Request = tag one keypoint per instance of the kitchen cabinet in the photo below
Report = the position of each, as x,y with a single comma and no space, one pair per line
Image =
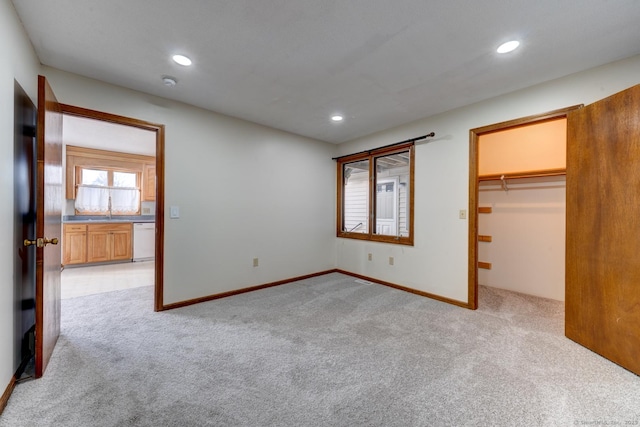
149,183
109,242
74,244
90,243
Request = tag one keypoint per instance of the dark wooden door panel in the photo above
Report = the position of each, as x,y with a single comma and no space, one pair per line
48,218
603,228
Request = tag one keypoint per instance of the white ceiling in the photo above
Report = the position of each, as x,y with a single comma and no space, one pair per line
90,133
291,64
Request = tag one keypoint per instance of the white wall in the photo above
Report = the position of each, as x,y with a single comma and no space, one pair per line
527,225
20,63
438,262
244,191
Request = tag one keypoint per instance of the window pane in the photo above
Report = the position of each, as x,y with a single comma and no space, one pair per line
392,194
95,177
356,197
124,179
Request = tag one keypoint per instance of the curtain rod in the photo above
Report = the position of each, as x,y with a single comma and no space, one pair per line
417,138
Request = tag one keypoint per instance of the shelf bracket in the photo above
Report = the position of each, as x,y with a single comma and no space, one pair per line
505,187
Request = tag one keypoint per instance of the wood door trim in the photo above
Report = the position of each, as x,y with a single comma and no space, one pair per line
186,303
406,289
474,135
158,304
7,394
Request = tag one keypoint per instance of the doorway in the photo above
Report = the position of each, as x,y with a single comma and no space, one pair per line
24,260
137,138
546,180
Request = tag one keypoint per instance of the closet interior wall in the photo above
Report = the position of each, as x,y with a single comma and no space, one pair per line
527,229
521,243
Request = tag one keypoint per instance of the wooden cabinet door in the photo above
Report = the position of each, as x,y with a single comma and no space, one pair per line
75,248
109,242
98,245
149,183
74,244
121,248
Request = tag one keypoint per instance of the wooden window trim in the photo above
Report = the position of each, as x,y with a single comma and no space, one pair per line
371,156
100,159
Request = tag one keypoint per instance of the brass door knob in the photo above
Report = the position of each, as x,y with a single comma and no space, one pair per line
40,242
53,241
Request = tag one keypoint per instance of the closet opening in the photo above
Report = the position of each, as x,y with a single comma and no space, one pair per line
517,205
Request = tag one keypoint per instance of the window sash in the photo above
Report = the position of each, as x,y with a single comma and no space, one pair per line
109,199
374,228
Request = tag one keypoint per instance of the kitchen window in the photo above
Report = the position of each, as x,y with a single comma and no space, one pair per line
375,195
106,191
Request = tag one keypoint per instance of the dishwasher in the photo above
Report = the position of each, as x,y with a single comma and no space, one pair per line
144,238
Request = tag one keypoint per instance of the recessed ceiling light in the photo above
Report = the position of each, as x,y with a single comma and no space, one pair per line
508,46
169,81
182,60
337,118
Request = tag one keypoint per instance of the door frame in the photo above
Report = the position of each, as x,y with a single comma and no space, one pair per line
396,194
158,300
474,136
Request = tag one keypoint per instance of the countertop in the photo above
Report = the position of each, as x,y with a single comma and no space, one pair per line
105,219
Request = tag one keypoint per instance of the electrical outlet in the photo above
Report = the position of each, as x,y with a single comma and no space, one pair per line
370,257
255,262
463,214
390,260
146,211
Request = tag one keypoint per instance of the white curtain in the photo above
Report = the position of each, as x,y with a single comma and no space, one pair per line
92,199
125,200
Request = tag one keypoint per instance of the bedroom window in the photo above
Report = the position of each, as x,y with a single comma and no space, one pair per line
375,195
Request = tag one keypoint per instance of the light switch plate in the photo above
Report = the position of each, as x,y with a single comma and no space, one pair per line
175,212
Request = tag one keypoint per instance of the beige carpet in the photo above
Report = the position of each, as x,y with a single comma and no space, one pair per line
322,352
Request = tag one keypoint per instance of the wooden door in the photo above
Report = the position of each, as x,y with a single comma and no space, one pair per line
387,207
48,224
24,208
603,228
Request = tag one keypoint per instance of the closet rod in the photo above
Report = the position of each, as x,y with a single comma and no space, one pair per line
417,138
525,174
